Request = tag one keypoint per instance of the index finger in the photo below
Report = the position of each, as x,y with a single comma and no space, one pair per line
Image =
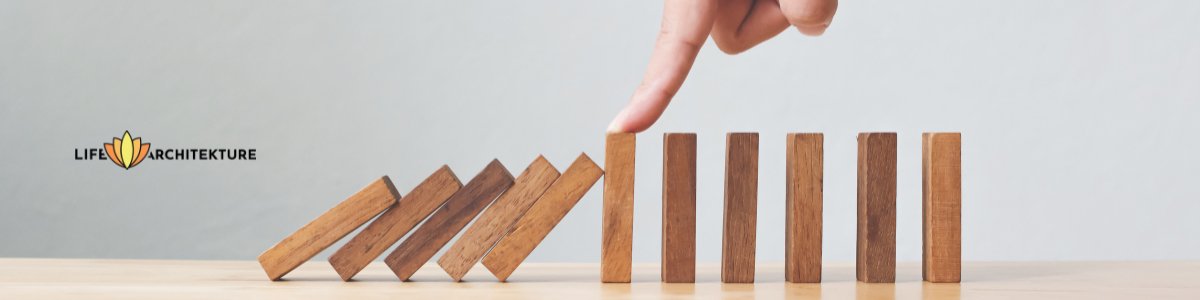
684,29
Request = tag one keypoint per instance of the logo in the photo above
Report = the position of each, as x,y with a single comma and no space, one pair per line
127,152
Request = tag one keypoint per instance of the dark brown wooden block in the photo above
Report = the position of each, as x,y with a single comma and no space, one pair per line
679,208
448,220
741,208
328,228
542,217
616,250
941,177
876,259
498,219
394,223
805,176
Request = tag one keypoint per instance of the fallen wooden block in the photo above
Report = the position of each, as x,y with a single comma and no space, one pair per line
394,223
448,220
328,228
741,208
498,219
941,171
679,208
805,171
616,252
876,257
542,217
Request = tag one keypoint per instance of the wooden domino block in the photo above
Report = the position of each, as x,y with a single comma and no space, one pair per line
394,223
941,171
498,219
876,259
678,208
542,217
328,228
448,220
805,171
741,208
616,252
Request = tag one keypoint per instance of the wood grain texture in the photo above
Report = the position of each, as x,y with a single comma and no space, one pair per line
542,217
805,177
448,220
876,257
498,219
741,208
616,248
394,223
328,228
941,180
679,208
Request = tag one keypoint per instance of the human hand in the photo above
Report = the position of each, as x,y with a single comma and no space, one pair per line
735,26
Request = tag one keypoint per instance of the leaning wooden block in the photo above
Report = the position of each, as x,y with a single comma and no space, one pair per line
941,171
328,228
542,217
679,208
876,259
616,252
448,220
498,219
802,262
741,208
394,223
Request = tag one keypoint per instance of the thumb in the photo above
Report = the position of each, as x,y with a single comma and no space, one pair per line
685,28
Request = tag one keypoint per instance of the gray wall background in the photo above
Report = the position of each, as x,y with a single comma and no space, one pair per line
1079,117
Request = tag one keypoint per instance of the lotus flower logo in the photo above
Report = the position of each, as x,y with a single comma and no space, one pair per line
127,151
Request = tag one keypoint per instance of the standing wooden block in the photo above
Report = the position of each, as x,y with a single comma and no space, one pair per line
542,217
741,207
679,208
394,223
459,210
498,219
941,177
876,259
805,173
328,228
616,250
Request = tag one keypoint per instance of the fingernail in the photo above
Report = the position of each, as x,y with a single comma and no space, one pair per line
613,128
615,125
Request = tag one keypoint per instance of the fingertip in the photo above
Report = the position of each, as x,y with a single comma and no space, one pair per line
635,127
810,17
634,118
622,124
615,126
813,30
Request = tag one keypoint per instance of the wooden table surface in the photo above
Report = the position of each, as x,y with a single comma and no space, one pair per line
170,279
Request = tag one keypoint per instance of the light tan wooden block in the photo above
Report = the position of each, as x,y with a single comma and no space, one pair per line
679,208
616,252
394,223
941,171
876,258
805,173
448,220
542,217
498,219
328,228
741,208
